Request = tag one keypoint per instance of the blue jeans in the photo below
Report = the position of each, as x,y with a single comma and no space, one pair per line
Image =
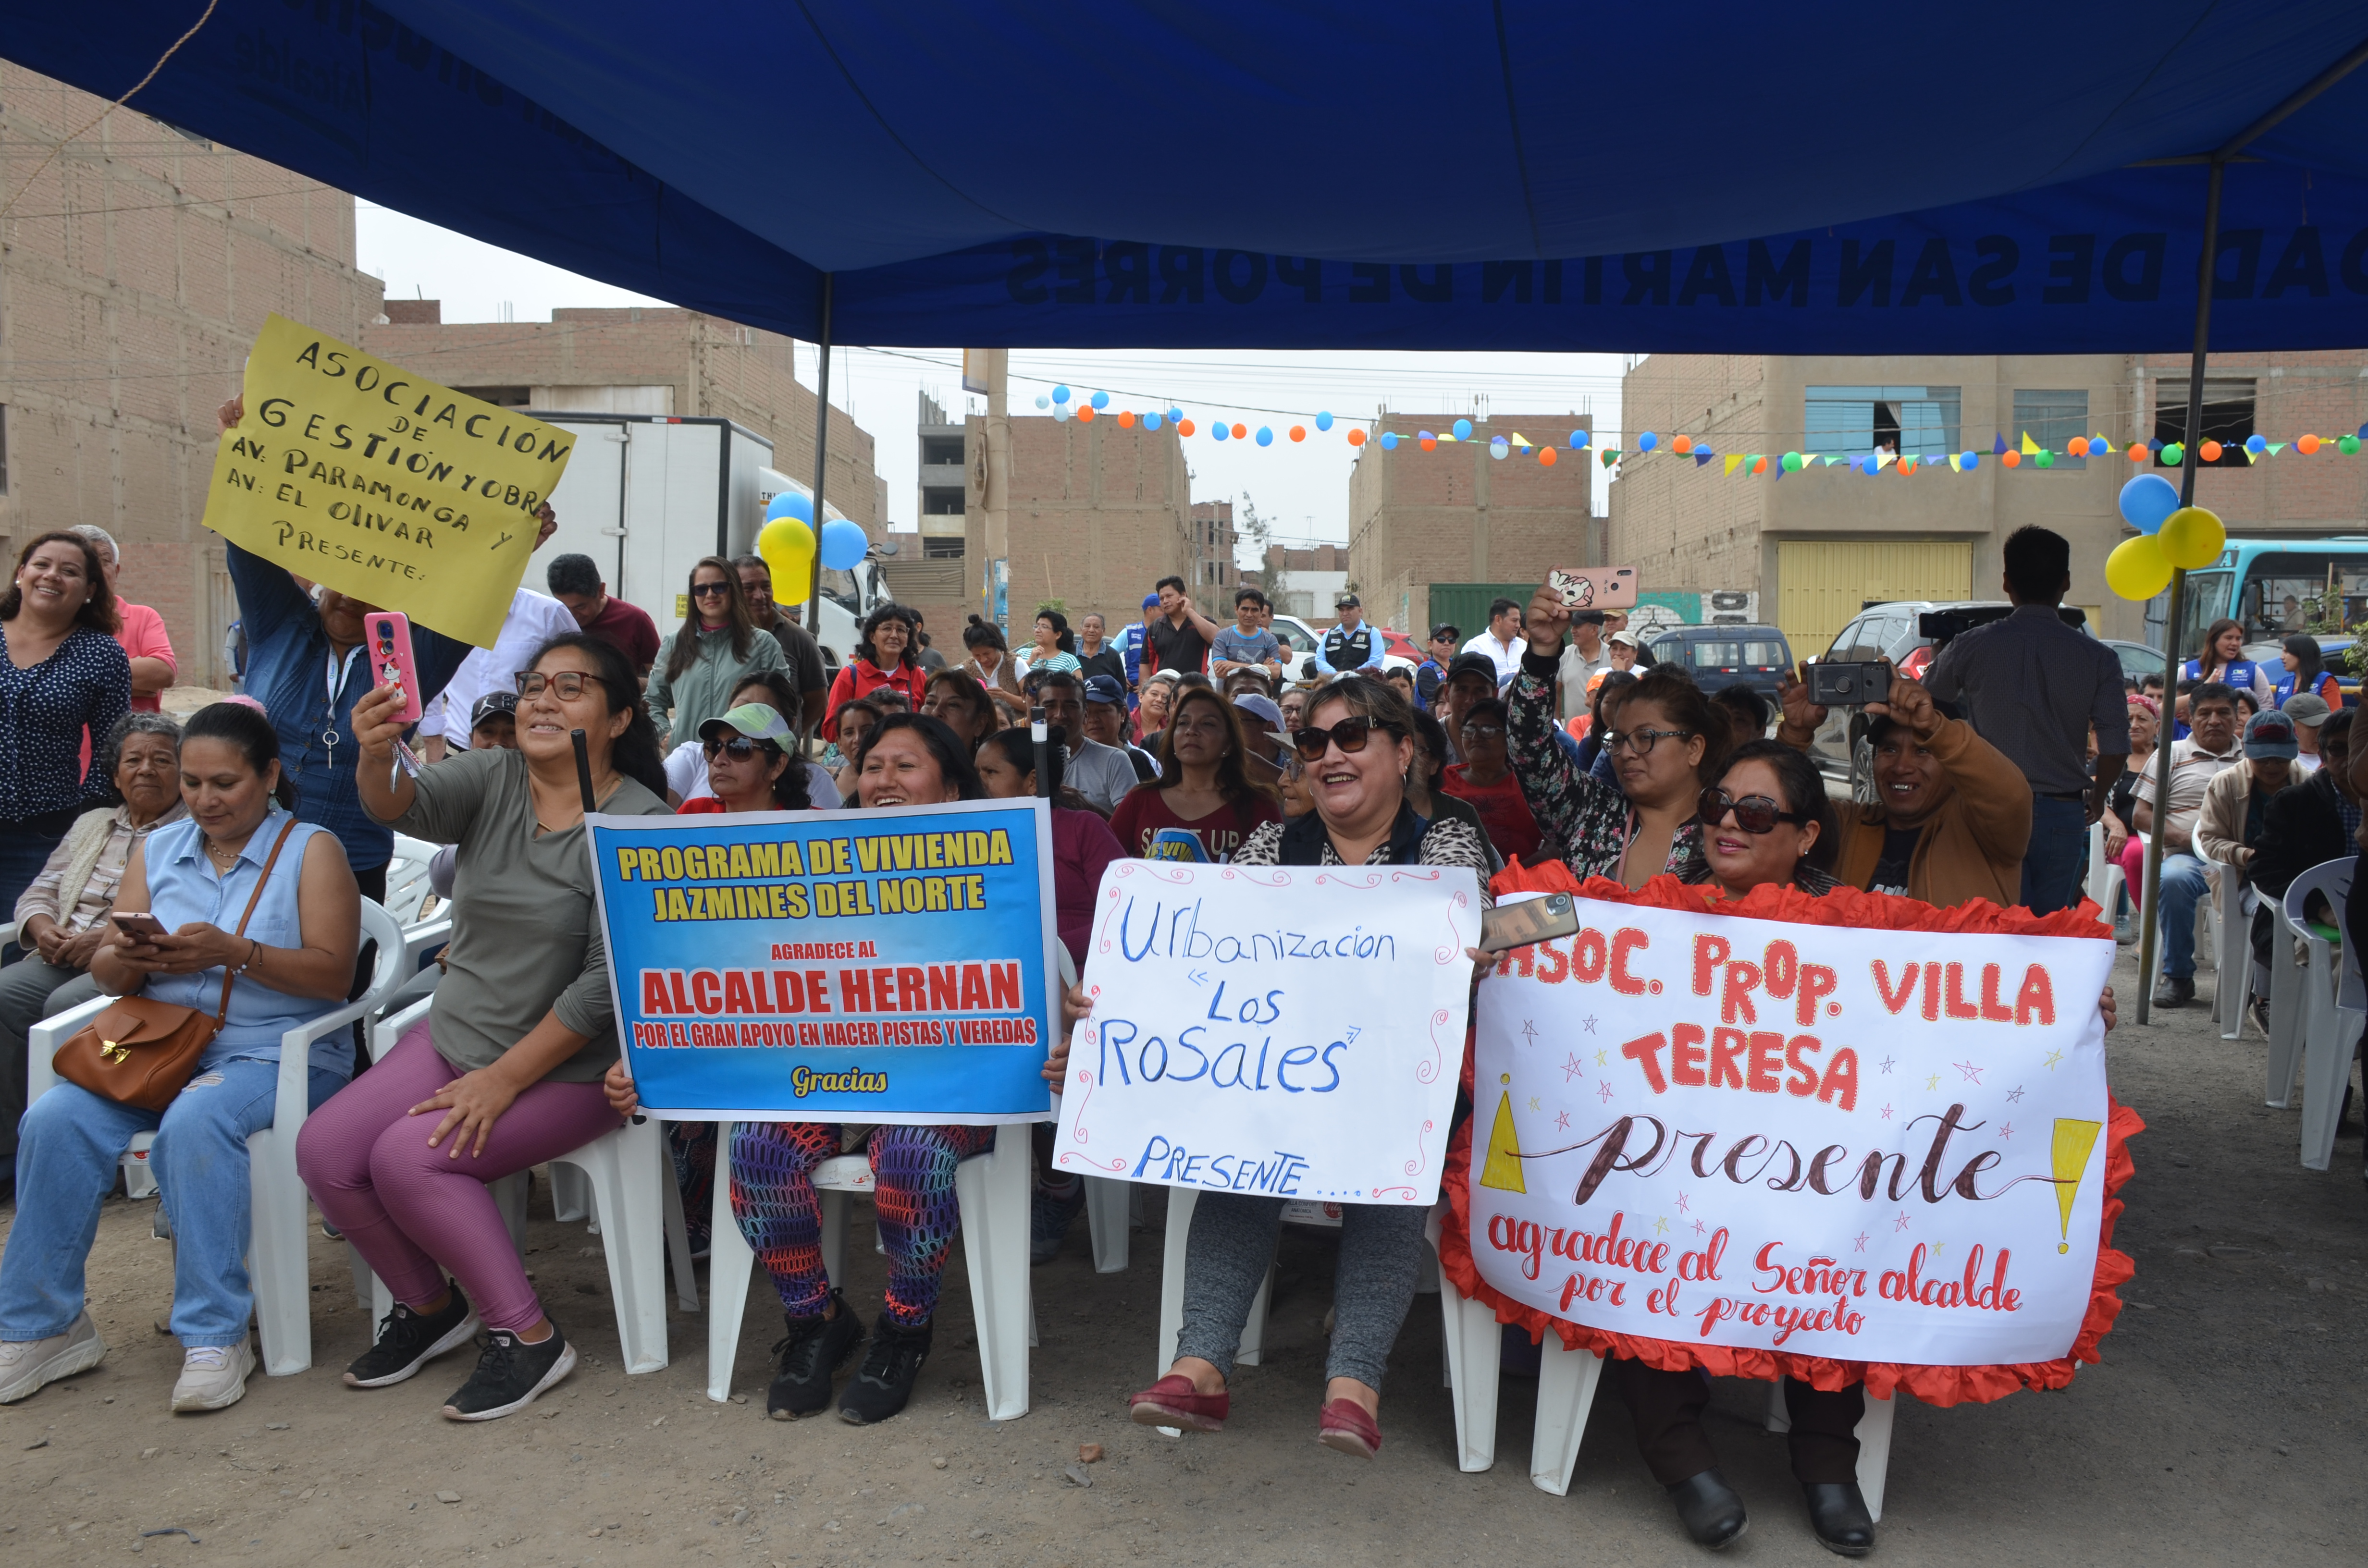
67,1147
2182,888
2058,854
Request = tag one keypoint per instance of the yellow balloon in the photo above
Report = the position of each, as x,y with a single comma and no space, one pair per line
784,534
2136,569
2192,537
793,573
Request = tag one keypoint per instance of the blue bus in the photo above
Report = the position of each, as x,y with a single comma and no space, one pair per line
2274,588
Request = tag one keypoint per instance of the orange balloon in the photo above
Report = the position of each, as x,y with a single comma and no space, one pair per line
2209,451
1546,457
1126,419
2138,452
2305,445
1085,413
1681,445
1356,438
2011,459
1429,442
1298,432
2077,447
1183,427
1759,465
1241,432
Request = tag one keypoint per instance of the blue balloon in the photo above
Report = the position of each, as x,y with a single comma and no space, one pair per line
1648,441
1969,460
1424,436
1101,400
1151,420
1463,429
1578,439
790,504
1043,402
1217,428
1060,394
1265,437
1176,417
2257,444
842,544
2146,500
1324,422
1389,440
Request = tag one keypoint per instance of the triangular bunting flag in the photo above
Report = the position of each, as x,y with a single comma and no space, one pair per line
1952,463
1908,465
1702,455
1502,1170
1998,446
2099,444
2029,447
1521,440
2250,456
1734,459
1885,457
2276,447
1610,456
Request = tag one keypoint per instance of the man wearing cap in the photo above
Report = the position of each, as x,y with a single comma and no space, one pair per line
1106,723
1583,658
2308,710
1429,675
533,619
1101,774
492,722
1351,646
2209,750
1470,677
2234,815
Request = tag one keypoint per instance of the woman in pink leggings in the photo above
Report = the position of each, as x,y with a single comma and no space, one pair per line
505,1071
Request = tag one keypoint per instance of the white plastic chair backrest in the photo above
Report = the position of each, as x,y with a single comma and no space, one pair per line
2096,853
382,927
2329,879
407,885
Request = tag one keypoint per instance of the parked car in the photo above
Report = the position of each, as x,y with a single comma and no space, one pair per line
1301,641
1891,631
1715,655
2138,661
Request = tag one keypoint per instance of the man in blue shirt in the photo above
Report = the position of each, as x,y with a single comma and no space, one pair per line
1247,645
1351,645
1131,645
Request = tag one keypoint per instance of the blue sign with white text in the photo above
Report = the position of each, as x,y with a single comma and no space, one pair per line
890,965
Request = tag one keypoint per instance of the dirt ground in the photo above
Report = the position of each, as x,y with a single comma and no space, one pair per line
2226,1423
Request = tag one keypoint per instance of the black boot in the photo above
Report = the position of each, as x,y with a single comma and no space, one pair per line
814,1349
885,1382
2175,992
1837,1515
1711,1510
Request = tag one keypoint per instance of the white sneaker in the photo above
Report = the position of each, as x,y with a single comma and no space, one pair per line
214,1377
27,1364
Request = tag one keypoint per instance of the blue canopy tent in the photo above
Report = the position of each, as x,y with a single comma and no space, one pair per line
2030,177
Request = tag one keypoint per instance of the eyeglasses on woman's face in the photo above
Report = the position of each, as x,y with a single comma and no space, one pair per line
1642,742
568,685
1350,734
711,590
1753,813
739,748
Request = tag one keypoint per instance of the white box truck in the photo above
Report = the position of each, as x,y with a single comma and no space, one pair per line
646,495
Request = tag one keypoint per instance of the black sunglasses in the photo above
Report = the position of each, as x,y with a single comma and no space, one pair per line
739,748
711,590
1753,813
1350,734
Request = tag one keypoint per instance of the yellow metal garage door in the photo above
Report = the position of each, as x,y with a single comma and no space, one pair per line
1820,584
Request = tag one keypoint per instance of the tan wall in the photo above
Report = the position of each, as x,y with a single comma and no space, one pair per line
1456,514
706,367
2320,395
1098,513
134,273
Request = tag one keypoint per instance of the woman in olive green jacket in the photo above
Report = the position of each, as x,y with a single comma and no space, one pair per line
717,651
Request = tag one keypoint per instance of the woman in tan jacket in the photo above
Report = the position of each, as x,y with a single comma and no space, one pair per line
1952,815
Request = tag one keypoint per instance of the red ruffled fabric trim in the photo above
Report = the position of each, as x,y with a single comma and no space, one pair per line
1933,1385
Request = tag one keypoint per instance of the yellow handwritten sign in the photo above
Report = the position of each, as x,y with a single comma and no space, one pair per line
380,483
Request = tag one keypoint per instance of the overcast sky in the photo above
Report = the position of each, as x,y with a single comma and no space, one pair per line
1302,489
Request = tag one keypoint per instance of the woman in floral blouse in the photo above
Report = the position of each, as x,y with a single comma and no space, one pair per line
1666,741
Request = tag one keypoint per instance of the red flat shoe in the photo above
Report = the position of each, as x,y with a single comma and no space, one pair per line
1345,1425
1173,1402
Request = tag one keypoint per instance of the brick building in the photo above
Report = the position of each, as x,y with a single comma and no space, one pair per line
1214,573
1303,582
1097,513
1454,515
135,271
1810,550
639,359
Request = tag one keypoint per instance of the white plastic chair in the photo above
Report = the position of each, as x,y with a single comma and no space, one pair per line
2332,1008
2231,929
2301,963
1874,1434
1566,1384
426,921
992,1191
629,1182
2103,881
278,1262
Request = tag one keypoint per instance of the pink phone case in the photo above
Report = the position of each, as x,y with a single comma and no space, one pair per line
386,635
1595,588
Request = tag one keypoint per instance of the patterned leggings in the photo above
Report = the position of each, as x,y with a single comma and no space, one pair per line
773,1199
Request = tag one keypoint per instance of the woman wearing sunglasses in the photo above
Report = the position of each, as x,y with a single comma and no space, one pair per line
748,764
716,650
504,1073
1357,746
685,765
1203,786
887,659
1665,740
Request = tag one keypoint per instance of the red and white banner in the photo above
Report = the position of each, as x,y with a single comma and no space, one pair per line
1853,1136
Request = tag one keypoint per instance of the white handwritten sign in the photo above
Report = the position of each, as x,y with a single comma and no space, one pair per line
1862,1145
1293,1032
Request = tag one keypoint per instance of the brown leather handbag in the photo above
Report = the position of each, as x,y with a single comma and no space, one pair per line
142,1052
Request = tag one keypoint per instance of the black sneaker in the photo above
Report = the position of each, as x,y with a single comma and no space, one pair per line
883,1385
510,1374
406,1342
815,1349
2174,992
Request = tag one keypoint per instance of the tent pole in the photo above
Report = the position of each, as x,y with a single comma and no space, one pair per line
821,464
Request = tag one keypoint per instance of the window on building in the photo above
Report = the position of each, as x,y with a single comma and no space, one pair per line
2228,407
942,547
936,449
2051,419
941,501
1916,422
500,397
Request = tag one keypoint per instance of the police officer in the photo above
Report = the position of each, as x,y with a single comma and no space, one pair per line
1352,644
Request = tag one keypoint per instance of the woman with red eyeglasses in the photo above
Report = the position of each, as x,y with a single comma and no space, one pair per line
1356,746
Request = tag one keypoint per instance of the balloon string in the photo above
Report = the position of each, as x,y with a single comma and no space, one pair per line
111,109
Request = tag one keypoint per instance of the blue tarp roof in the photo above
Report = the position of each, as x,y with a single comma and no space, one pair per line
1723,176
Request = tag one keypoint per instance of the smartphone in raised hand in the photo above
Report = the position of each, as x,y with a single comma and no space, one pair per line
1509,926
387,635
1594,587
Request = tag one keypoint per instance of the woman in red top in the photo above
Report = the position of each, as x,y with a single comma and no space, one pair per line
748,766
1485,778
1203,786
888,658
